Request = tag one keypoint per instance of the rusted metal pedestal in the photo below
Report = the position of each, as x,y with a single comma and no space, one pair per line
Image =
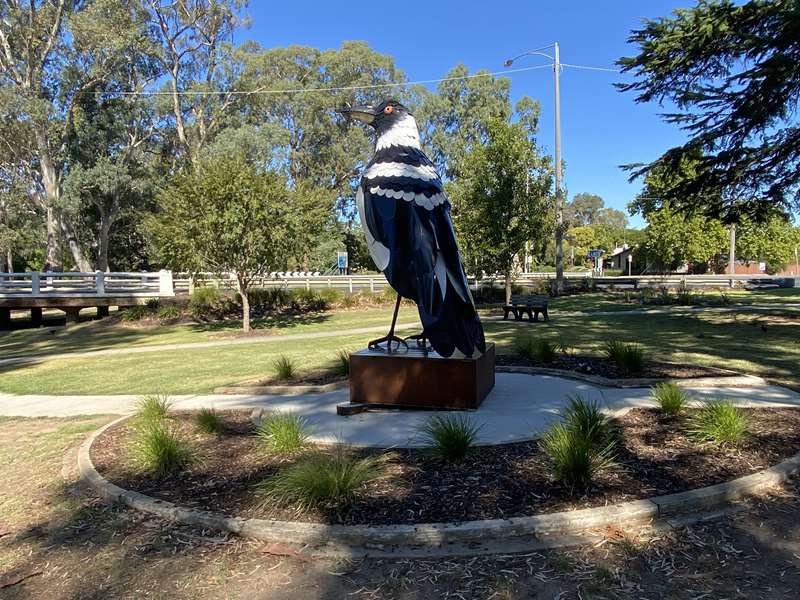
413,380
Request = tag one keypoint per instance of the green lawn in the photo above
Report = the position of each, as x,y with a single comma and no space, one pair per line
733,340
94,335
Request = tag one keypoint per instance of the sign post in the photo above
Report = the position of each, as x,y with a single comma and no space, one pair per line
341,262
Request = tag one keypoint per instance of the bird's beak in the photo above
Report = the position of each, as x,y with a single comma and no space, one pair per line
365,114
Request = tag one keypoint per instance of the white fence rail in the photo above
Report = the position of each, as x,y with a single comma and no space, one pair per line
375,283
73,284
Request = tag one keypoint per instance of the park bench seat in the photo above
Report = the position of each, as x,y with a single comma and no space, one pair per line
522,304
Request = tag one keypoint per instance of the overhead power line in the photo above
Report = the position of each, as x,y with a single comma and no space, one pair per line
346,88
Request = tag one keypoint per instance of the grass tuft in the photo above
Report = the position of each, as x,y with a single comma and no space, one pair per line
152,409
159,449
342,366
284,368
321,481
538,349
581,446
450,436
670,398
629,357
283,433
208,421
720,422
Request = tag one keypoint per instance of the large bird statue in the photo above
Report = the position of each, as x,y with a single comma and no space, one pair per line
405,216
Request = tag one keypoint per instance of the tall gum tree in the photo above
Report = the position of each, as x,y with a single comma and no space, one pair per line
53,52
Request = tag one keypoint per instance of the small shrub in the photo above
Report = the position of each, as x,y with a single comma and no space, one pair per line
718,421
585,417
450,436
204,302
262,299
284,368
283,433
135,313
321,481
331,296
308,300
169,313
684,298
152,409
153,304
629,357
208,421
670,398
159,449
545,350
342,367
576,460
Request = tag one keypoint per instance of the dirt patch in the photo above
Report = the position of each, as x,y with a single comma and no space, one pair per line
654,457
595,365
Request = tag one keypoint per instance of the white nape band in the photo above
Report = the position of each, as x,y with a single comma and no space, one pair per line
419,199
399,169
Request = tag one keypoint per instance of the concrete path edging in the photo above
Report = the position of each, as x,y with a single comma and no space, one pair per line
448,539
724,378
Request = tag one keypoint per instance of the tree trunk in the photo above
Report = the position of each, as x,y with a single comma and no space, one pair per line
84,265
106,221
508,287
242,289
52,257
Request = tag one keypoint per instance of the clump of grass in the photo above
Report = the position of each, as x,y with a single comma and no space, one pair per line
159,449
342,366
538,349
169,313
581,446
284,368
283,433
135,313
629,357
152,409
322,480
585,417
670,398
720,422
450,436
208,421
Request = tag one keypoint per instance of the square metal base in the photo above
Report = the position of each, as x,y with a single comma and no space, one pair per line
413,380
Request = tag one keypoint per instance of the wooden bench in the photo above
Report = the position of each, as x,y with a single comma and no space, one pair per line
531,305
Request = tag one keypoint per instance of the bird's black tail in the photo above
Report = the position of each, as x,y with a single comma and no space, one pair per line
453,326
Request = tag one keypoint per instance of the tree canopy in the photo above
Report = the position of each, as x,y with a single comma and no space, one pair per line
502,200
732,70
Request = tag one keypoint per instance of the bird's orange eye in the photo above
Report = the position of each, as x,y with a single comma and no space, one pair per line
389,109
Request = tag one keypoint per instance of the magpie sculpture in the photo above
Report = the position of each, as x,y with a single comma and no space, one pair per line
405,216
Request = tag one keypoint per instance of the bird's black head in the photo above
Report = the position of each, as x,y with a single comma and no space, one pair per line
381,117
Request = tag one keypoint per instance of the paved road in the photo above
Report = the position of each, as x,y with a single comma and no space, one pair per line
271,339
518,407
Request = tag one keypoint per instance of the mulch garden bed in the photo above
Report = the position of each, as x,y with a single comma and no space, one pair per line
596,365
654,457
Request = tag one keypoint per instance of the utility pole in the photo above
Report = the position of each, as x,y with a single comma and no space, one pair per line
732,255
559,202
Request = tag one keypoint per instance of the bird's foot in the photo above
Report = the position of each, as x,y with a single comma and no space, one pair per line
421,342
384,344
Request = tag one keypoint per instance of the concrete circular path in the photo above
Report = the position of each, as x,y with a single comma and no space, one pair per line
519,407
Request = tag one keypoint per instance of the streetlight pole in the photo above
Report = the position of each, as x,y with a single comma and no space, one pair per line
559,233
559,202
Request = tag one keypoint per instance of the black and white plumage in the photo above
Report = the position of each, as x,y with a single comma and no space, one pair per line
405,215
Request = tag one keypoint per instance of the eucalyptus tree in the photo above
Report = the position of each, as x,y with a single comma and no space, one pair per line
191,41
52,54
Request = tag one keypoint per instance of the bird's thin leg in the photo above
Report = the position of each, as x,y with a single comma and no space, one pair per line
391,337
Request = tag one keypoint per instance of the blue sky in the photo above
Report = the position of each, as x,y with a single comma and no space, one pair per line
601,128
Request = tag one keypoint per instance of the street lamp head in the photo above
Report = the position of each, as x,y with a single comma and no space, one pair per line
509,62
